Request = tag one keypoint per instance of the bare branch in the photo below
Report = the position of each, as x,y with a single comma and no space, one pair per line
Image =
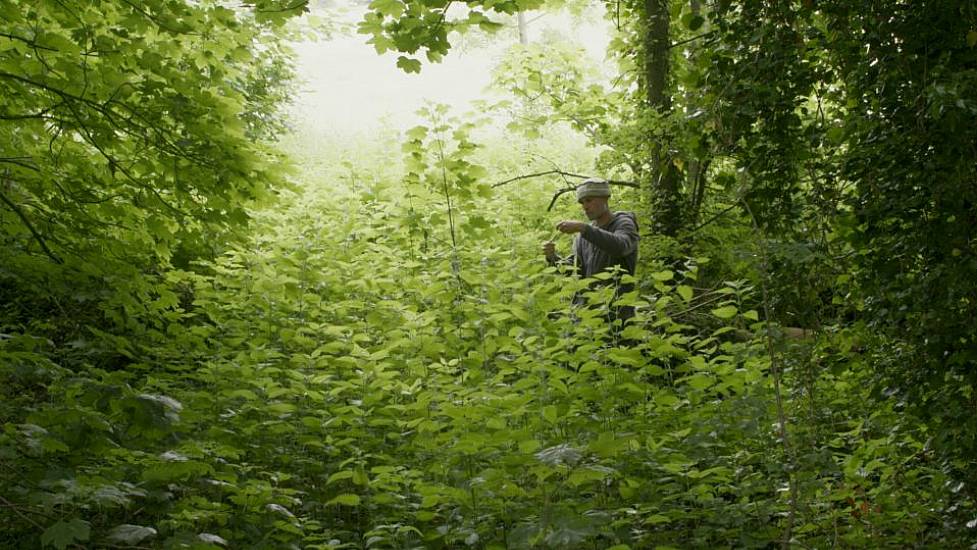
687,40
561,192
536,175
557,195
714,218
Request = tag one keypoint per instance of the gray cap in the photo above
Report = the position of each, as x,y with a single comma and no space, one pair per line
593,187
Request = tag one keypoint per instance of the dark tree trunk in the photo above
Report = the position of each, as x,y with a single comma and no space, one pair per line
664,193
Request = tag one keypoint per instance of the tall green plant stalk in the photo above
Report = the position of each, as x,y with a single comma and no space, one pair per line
455,264
776,373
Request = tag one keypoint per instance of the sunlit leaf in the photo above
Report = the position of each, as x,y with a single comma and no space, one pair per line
725,312
345,499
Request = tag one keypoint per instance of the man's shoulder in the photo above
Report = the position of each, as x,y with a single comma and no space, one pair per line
623,219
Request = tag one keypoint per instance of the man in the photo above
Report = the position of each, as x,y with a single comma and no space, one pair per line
610,239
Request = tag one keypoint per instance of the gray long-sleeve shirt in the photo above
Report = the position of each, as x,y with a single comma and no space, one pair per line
598,248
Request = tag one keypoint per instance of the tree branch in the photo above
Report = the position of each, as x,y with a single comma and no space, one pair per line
28,41
561,192
557,195
714,218
39,114
295,6
23,162
536,175
108,113
94,143
13,507
687,40
27,222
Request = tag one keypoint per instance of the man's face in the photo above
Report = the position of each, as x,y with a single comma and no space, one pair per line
594,207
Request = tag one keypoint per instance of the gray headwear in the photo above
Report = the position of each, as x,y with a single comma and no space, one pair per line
593,187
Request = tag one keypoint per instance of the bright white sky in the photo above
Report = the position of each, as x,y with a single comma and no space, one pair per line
349,89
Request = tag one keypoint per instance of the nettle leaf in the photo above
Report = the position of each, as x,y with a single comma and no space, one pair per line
339,476
279,509
630,357
559,454
663,276
130,534
725,312
700,381
170,407
345,499
550,414
176,471
63,533
211,538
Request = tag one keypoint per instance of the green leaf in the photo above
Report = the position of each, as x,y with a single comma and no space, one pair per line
346,499
685,292
130,534
211,538
972,38
630,357
666,275
341,475
390,8
246,394
700,381
725,312
752,315
409,65
62,533
656,519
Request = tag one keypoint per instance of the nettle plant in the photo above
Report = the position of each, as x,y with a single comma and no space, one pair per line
342,381
337,382
449,396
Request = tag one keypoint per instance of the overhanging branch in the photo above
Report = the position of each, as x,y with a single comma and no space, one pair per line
27,223
687,40
562,192
538,174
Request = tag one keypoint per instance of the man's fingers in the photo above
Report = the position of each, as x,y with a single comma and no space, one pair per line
568,227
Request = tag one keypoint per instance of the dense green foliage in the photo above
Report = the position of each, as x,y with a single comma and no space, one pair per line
197,353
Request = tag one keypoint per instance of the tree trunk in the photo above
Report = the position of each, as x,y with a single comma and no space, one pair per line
664,193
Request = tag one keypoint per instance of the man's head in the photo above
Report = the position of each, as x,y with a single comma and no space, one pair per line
592,195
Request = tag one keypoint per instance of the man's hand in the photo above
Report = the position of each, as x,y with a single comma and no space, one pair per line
570,226
549,250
